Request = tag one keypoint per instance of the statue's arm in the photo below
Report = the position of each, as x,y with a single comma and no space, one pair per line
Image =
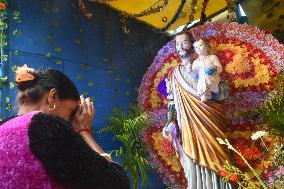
217,64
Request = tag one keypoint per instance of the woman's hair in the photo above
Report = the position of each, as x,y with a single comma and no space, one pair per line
44,80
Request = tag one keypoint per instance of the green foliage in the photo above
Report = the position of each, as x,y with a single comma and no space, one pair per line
14,68
3,81
11,85
8,105
271,113
245,180
17,33
126,128
17,16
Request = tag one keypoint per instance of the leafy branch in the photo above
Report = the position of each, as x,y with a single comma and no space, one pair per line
126,128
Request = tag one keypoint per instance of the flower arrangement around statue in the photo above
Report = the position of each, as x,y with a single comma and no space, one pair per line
251,60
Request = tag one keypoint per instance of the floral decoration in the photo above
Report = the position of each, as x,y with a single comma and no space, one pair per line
251,59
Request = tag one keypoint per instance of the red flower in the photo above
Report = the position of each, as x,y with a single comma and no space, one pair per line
2,7
233,177
223,173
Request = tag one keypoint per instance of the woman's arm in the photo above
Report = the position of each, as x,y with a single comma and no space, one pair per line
68,159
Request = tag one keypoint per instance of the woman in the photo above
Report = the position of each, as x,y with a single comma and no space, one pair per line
49,144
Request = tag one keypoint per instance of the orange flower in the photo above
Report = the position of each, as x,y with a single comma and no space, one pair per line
223,173
234,177
2,7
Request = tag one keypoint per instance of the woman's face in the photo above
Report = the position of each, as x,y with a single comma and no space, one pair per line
66,109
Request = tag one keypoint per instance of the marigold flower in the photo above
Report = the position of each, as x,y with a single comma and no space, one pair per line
233,177
223,173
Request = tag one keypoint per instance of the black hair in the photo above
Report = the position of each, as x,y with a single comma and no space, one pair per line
45,80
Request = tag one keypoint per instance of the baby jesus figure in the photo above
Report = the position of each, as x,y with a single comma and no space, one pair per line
209,69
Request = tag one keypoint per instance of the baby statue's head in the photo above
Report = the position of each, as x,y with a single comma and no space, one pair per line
201,47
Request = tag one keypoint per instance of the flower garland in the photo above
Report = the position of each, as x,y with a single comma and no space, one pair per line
192,11
203,14
250,58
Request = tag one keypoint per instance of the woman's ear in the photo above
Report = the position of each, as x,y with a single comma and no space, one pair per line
52,97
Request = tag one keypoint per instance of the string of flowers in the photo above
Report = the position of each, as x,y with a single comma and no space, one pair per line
191,13
231,5
203,14
155,8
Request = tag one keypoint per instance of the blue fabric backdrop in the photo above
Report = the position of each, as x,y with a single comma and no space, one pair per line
103,61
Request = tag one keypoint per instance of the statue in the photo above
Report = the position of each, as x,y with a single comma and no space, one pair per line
194,125
209,69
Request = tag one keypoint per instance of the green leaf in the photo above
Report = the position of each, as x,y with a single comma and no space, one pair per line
55,24
77,41
16,14
3,36
3,80
17,53
3,44
128,81
127,93
85,94
12,85
80,77
3,25
14,68
91,83
55,10
50,38
4,58
48,55
17,33
58,62
126,128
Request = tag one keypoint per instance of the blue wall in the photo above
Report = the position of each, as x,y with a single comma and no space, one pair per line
97,55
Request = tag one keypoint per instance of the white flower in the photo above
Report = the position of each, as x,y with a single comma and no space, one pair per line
258,134
221,141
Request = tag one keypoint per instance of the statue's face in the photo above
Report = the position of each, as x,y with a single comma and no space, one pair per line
200,47
183,45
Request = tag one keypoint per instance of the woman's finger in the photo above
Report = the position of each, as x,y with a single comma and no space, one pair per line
83,104
89,106
92,109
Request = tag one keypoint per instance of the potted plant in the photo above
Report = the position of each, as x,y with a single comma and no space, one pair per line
126,128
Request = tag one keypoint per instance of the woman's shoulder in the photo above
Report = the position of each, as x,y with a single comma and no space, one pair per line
16,121
7,119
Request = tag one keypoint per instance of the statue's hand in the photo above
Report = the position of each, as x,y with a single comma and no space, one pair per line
170,130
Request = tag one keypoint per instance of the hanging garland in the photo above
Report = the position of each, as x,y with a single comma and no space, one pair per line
174,18
151,10
191,13
231,5
203,14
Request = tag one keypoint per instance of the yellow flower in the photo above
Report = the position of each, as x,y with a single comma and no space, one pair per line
170,160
